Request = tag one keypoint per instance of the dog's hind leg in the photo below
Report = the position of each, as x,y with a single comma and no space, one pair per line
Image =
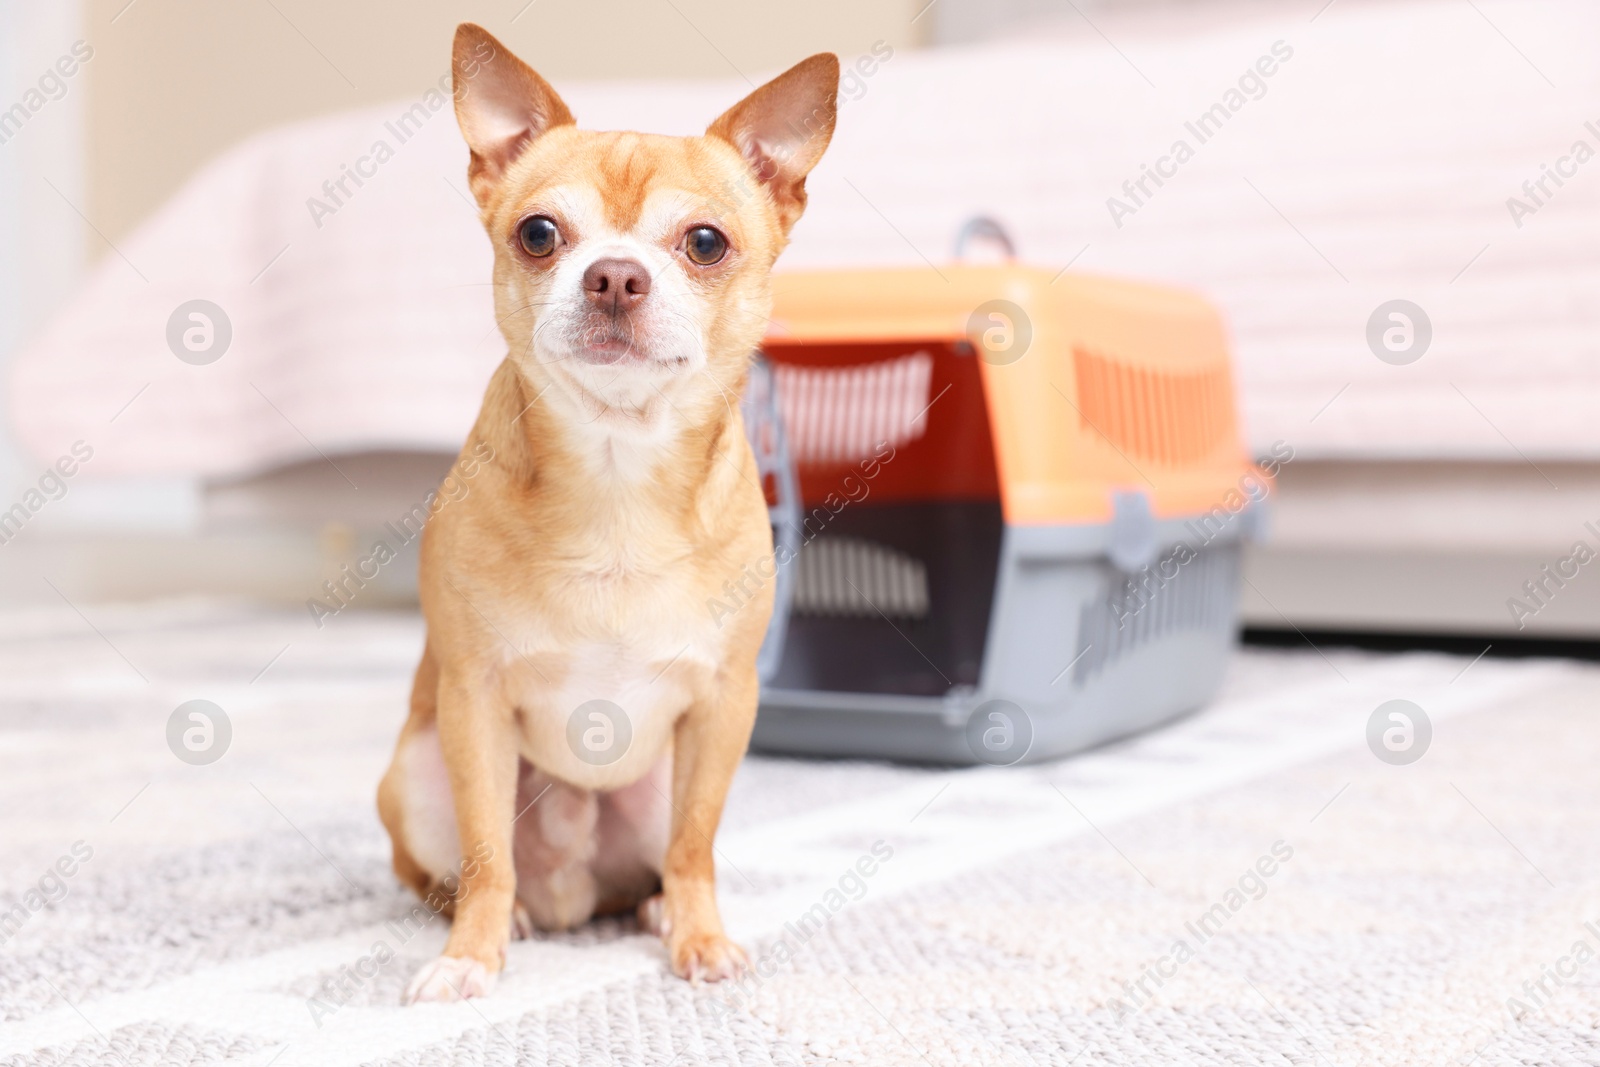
634,825
414,797
554,838
580,853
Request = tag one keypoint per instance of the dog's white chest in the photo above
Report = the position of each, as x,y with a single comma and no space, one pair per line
599,712
630,674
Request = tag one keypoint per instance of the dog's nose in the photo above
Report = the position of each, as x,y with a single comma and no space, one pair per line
616,284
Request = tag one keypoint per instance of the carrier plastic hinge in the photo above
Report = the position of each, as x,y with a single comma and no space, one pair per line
1134,543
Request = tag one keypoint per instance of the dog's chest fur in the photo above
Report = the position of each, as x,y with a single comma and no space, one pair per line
633,638
612,608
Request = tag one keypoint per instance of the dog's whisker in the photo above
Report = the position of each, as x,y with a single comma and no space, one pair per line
727,398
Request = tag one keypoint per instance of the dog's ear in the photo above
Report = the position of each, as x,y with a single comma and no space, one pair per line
501,105
783,127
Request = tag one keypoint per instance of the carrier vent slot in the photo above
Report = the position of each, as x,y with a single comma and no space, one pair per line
1155,415
841,415
1149,605
846,576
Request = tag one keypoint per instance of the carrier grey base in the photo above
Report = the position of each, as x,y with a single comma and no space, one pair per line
1080,651
1154,685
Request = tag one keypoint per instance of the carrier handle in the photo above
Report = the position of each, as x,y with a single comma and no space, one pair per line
986,227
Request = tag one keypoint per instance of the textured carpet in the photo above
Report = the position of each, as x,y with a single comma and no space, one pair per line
1251,885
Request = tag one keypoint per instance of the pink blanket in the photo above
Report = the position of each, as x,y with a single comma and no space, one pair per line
1329,167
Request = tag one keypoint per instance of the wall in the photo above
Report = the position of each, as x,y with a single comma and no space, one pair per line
177,81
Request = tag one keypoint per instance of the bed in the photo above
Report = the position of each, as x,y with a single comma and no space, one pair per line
1329,167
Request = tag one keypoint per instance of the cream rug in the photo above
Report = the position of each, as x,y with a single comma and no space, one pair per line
1252,885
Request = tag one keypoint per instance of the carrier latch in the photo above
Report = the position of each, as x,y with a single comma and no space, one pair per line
1134,541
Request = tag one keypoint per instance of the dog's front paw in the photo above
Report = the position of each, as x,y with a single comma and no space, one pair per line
447,979
708,957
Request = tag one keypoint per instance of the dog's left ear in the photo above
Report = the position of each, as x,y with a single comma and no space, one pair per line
501,105
783,127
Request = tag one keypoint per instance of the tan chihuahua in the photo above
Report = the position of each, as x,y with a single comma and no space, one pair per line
578,713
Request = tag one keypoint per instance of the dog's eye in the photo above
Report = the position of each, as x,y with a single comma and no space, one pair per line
704,245
538,236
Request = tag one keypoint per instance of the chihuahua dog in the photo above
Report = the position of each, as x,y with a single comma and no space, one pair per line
578,712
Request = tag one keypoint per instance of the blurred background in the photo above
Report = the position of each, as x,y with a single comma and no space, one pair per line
159,152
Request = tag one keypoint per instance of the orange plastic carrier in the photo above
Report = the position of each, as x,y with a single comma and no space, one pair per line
1018,502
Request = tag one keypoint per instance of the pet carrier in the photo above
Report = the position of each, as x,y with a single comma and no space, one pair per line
1008,511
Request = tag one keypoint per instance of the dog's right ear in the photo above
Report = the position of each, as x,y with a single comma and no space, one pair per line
501,105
